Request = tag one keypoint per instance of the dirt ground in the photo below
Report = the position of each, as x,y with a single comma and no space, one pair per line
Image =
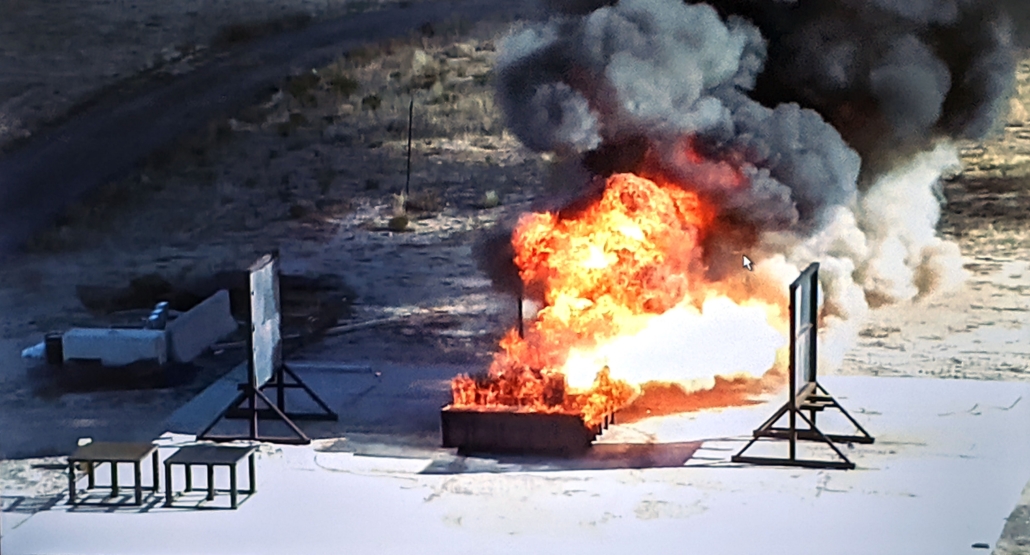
57,56
315,171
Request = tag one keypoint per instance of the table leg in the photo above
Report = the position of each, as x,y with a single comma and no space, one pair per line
210,482
114,478
137,474
168,485
92,475
71,483
250,474
189,477
232,485
156,472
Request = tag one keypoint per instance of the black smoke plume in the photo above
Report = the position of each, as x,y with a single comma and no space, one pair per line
839,114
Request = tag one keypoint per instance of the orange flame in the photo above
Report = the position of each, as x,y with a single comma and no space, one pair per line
599,273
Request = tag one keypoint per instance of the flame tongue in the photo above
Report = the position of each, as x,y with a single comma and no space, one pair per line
627,254
601,270
601,273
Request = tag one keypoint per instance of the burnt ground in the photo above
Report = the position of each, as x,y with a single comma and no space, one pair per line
314,169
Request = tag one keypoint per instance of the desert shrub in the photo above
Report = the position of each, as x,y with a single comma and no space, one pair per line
300,87
364,55
426,200
483,79
344,85
371,102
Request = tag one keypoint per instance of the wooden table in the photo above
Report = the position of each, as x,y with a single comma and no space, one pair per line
210,456
99,452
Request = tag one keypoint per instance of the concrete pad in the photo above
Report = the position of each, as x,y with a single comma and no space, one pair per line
948,466
200,327
115,347
388,401
195,415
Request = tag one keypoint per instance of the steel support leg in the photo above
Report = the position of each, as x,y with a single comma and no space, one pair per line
137,474
210,482
71,483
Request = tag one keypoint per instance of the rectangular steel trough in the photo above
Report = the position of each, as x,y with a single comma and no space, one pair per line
497,431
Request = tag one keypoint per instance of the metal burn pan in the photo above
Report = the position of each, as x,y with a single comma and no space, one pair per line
509,432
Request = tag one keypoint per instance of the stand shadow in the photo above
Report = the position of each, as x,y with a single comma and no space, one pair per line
50,382
90,501
602,456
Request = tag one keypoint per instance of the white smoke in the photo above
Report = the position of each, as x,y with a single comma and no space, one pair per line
881,248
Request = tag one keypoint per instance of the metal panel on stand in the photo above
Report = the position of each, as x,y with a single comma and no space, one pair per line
804,391
266,369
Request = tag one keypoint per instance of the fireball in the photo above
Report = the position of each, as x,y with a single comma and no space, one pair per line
624,304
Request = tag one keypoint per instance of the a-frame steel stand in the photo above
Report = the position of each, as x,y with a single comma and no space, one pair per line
266,368
795,408
246,406
812,398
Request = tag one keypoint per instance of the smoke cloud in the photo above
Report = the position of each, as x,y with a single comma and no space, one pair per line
819,128
878,250
892,76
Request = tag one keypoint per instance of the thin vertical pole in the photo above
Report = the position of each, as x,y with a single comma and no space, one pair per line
280,388
792,371
252,404
813,333
522,331
813,301
252,370
411,117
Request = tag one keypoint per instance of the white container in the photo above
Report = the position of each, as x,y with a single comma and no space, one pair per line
115,347
200,327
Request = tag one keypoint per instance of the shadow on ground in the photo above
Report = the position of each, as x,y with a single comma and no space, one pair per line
602,456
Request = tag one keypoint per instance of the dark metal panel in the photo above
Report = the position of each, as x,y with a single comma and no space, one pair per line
489,431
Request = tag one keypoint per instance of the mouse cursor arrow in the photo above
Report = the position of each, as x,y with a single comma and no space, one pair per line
748,265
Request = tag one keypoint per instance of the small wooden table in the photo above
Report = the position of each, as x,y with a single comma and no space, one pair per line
100,452
210,456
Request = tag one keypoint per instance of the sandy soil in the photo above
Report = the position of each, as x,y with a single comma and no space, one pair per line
55,56
314,171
